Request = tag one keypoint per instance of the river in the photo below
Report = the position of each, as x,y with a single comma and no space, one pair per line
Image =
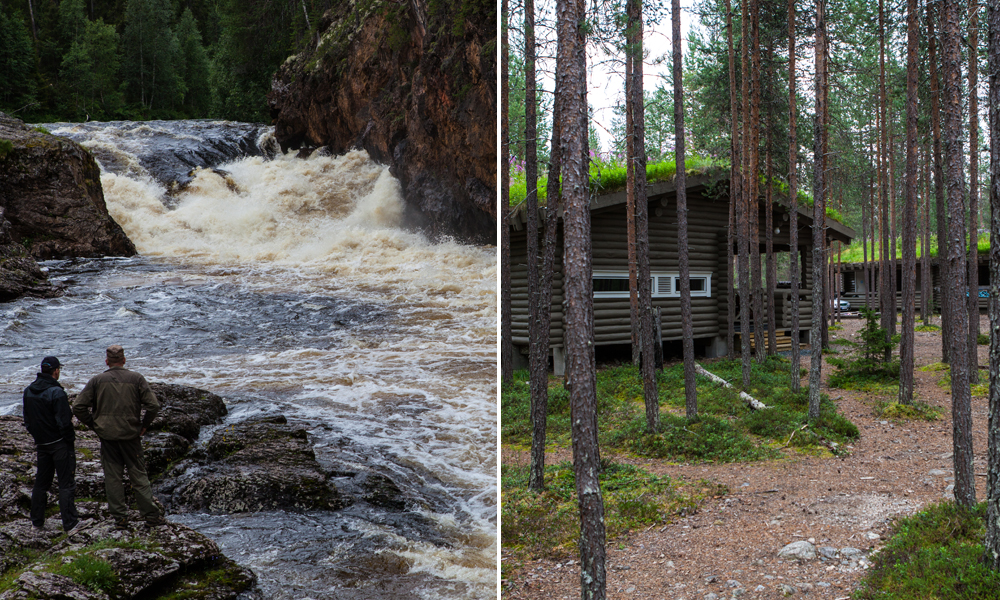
291,285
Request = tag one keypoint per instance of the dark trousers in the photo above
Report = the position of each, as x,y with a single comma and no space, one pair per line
116,456
58,458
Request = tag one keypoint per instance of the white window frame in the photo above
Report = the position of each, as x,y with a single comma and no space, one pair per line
663,279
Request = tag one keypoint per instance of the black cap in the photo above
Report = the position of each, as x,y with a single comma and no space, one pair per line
50,364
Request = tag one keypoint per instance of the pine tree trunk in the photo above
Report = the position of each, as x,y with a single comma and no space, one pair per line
885,305
939,195
819,212
690,391
734,192
754,184
580,367
992,554
648,366
772,279
743,205
909,211
974,190
793,218
538,355
926,290
957,283
506,333
633,262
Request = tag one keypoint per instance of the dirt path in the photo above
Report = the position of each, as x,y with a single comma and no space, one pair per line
730,547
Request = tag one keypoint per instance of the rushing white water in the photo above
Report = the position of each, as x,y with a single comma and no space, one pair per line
280,257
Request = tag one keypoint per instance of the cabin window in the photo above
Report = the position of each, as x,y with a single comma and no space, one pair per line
663,285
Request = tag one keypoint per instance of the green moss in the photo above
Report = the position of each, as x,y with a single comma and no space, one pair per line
6,147
918,411
933,555
196,585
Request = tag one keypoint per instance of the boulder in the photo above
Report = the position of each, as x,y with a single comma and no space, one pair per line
184,410
416,91
51,196
261,464
139,562
801,550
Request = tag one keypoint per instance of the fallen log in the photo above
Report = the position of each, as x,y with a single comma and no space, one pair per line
750,400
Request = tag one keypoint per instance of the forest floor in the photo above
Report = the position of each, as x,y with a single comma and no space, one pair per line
731,543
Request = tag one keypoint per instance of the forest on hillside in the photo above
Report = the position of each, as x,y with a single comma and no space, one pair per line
99,60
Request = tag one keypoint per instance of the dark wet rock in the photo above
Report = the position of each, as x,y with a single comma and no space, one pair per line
145,562
185,410
161,449
51,197
416,92
381,491
169,151
256,465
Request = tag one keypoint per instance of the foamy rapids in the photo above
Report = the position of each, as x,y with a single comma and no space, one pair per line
332,226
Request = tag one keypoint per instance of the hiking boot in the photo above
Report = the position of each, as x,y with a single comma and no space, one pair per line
121,524
156,522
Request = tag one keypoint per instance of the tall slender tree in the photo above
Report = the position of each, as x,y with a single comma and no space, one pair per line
925,254
939,179
571,75
819,213
506,316
992,554
690,391
909,211
734,193
885,266
973,300
793,180
641,217
957,283
753,187
743,203
538,356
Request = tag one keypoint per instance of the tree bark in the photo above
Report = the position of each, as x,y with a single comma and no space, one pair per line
648,366
538,355
992,554
743,205
909,211
579,318
633,263
926,289
690,391
885,304
974,190
819,212
772,279
754,183
957,283
734,193
793,218
506,332
939,195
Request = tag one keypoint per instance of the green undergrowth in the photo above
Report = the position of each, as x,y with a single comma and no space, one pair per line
91,572
927,329
725,430
933,555
983,339
918,411
547,524
866,369
981,380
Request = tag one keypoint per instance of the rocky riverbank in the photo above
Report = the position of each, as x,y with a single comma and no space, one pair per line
260,464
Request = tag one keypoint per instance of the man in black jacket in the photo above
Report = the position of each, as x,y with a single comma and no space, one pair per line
49,420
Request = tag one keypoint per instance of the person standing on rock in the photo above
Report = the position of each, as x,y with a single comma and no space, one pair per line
48,418
111,404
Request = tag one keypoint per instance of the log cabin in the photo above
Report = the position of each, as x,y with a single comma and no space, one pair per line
708,216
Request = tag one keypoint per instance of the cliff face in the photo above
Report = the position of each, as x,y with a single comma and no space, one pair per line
414,84
51,196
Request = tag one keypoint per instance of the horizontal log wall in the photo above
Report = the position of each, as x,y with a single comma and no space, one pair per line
707,218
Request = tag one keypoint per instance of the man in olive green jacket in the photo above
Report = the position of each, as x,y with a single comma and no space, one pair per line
111,404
